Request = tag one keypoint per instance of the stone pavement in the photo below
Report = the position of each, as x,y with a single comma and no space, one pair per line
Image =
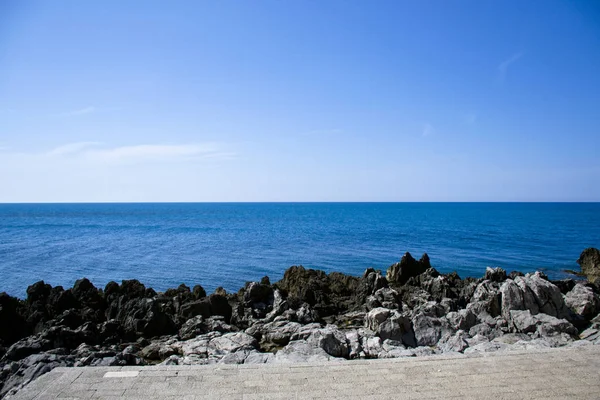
572,373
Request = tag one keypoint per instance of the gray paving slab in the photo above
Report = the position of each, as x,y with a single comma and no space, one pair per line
572,373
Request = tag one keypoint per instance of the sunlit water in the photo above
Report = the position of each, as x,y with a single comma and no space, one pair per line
227,244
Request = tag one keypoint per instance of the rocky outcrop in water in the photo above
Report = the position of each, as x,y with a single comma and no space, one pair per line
307,316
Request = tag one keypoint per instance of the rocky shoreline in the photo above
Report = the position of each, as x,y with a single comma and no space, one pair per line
307,316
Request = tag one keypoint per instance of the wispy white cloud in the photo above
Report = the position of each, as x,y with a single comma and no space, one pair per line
156,152
71,148
427,129
504,65
97,152
80,111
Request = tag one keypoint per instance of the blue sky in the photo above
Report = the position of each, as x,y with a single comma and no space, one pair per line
299,101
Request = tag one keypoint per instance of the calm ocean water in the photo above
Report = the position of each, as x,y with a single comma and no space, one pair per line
226,244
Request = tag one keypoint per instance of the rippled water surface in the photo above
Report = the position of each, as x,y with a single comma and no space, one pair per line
226,244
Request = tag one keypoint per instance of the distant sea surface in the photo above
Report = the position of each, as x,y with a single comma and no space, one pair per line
227,244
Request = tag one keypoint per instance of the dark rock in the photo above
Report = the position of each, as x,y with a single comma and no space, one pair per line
111,331
194,308
255,292
265,281
589,261
13,325
143,317
565,285
26,347
199,292
407,268
514,274
326,294
111,289
61,300
38,292
132,289
219,305
495,274
69,339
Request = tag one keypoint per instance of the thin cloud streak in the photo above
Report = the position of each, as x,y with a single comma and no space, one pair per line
150,151
71,148
81,111
97,153
504,65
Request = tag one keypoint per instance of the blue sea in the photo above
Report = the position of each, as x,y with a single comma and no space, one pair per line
227,244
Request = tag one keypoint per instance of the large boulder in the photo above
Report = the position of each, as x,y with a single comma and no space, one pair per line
231,343
429,330
407,268
462,319
329,338
583,301
534,293
301,351
589,261
390,324
274,334
543,324
454,343
485,300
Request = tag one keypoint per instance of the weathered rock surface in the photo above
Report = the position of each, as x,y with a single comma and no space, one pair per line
407,268
535,293
582,301
589,261
307,316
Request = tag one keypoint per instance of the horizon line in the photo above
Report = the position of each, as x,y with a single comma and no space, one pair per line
306,202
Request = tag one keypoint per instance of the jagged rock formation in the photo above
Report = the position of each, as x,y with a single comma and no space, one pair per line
307,316
589,261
